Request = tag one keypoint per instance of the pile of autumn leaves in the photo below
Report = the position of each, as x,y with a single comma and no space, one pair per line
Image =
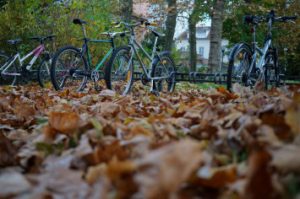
191,144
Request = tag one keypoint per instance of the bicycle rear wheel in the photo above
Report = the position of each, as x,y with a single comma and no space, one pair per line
69,69
163,66
239,66
8,77
118,73
271,70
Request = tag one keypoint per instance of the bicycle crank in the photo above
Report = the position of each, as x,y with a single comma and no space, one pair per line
144,79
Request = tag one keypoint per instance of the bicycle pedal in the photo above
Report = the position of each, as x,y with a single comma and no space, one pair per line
97,88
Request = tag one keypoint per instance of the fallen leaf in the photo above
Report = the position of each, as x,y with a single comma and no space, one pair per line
8,152
216,177
259,176
12,183
162,171
64,122
286,158
292,116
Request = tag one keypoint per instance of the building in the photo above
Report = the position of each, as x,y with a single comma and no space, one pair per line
141,8
203,45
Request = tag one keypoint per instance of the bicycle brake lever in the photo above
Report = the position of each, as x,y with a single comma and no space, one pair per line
291,21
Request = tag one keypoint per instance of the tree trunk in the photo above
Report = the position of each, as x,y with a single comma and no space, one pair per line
193,44
126,9
170,24
216,36
193,20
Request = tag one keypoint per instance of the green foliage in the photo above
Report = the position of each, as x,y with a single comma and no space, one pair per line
285,35
23,19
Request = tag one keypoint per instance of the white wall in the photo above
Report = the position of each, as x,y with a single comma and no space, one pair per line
205,43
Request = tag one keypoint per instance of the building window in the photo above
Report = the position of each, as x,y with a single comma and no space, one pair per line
201,51
201,34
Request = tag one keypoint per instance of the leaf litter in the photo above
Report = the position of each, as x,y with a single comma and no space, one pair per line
190,144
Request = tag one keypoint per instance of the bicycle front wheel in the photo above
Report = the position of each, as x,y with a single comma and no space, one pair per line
69,69
118,73
164,68
43,74
239,66
9,76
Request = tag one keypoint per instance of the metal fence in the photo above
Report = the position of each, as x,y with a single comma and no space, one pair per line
217,78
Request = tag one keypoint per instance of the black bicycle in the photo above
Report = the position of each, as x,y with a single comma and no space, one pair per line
244,65
73,66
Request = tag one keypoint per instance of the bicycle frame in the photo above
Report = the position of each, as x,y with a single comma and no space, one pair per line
100,63
35,53
261,51
134,51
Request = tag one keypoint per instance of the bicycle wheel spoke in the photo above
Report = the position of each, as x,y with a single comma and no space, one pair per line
70,69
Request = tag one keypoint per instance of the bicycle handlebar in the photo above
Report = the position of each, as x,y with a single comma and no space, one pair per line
140,22
287,18
252,19
114,34
43,39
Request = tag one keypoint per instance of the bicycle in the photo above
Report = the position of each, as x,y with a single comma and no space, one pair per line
243,67
75,64
10,71
118,73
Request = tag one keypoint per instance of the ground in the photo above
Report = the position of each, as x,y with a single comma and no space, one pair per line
195,143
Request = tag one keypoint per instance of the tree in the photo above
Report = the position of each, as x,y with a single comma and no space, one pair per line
216,35
2,3
285,35
126,9
194,17
170,24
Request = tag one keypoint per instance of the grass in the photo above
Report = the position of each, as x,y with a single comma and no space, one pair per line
198,86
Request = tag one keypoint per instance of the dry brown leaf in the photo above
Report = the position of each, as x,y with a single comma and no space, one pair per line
64,122
226,93
95,172
7,152
286,158
105,153
161,172
107,93
292,116
66,183
12,183
116,168
259,177
216,177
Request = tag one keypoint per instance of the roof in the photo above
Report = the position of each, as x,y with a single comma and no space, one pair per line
184,35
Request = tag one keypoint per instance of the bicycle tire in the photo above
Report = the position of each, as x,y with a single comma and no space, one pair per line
122,82
272,69
164,85
246,61
43,74
55,66
7,79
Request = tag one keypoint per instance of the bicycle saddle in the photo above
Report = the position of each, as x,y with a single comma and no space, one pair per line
14,41
79,21
157,34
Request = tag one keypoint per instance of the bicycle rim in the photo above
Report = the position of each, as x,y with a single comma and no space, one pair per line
121,72
69,67
165,68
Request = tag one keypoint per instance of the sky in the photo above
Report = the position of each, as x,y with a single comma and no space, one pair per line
182,24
